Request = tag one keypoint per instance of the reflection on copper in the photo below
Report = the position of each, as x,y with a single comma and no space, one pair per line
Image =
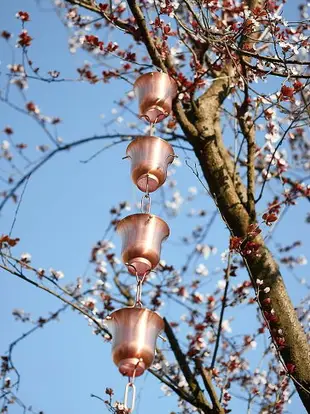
142,235
150,157
155,92
134,332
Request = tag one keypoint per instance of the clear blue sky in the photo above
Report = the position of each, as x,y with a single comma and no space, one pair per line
65,210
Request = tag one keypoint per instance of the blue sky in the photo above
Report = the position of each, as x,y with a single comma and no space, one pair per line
65,210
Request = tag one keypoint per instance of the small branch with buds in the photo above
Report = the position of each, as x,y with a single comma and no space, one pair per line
199,398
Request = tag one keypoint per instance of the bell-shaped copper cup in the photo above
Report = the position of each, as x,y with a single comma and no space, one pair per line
134,332
150,157
142,235
155,92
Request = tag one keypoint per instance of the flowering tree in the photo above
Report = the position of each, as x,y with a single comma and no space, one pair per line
241,113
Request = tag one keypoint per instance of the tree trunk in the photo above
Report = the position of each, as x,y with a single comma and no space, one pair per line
296,350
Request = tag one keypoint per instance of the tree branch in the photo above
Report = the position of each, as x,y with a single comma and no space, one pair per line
50,155
53,293
94,7
275,73
182,394
223,306
147,39
189,376
269,58
272,158
206,377
248,130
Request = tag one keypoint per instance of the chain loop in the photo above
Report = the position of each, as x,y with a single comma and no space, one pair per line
129,386
138,302
152,127
146,203
140,280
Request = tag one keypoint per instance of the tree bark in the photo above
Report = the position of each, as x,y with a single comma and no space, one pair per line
296,350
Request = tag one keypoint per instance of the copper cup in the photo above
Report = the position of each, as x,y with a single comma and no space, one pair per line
134,332
142,235
155,92
150,157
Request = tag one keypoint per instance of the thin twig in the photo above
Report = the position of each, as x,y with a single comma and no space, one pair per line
219,329
18,206
272,158
53,293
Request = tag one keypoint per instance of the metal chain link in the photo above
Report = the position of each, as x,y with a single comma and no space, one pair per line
152,127
131,385
140,280
146,201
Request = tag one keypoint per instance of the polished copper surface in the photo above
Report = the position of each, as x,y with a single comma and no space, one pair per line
155,92
150,157
142,235
134,332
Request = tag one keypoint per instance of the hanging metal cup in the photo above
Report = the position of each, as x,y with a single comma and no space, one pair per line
142,235
134,332
155,92
150,157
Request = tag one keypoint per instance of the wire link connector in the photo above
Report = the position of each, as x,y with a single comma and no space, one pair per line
140,280
146,201
130,387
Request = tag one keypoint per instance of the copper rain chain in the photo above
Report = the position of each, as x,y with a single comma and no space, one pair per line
135,329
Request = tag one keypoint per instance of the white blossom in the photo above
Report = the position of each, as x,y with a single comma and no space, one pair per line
224,255
226,326
302,260
202,270
25,257
166,390
221,284
57,274
177,162
192,190
5,145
